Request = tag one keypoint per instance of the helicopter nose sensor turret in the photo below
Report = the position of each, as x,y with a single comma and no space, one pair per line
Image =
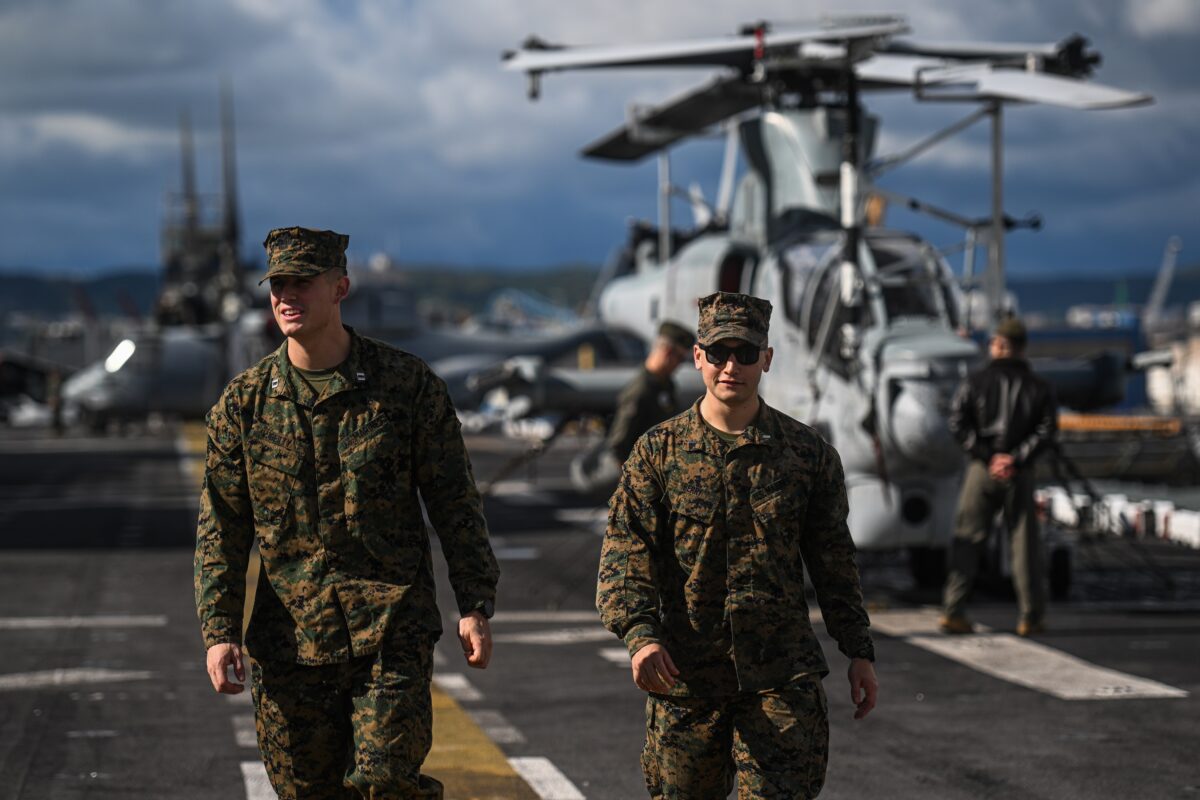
920,370
918,427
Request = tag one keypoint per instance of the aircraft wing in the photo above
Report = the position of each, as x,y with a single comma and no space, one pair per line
732,51
682,116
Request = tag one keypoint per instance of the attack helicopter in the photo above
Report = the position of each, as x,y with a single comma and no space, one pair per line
869,324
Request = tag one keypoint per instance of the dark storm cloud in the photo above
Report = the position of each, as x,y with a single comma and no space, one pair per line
395,123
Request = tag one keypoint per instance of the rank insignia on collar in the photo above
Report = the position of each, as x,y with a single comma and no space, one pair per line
360,377
274,383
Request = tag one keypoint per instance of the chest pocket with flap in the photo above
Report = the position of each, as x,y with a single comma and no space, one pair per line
379,510
779,516
273,470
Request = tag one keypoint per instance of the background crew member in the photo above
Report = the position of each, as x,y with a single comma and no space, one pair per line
1004,416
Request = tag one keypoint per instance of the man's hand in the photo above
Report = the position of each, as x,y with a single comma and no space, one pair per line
1002,467
220,658
653,669
864,686
475,636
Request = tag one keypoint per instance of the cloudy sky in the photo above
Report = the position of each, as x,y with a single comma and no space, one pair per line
392,121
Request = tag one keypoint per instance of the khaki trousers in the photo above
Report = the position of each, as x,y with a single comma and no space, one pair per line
978,503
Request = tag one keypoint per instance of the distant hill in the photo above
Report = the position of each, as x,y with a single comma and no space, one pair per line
114,294
1053,296
470,288
460,288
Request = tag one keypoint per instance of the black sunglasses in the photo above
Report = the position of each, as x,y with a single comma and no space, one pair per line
745,354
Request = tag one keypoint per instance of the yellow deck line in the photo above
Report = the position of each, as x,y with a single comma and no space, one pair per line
195,439
1120,423
466,761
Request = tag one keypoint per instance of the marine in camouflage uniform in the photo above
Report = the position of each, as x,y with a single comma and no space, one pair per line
702,570
327,483
650,397
646,401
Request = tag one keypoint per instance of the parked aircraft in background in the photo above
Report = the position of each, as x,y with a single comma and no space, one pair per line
212,321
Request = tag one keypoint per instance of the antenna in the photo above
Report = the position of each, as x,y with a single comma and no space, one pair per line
191,204
1152,314
231,233
728,170
851,280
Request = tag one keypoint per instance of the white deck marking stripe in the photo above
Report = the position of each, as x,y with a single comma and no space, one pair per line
521,493
185,457
1021,661
496,727
559,636
243,730
545,616
457,686
910,622
258,786
99,621
595,519
517,553
545,779
1042,668
617,655
69,677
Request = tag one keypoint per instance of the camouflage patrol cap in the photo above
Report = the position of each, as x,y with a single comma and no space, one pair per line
1013,329
677,335
726,315
304,251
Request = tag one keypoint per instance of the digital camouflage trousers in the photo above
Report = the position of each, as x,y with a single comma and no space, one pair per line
775,742
347,731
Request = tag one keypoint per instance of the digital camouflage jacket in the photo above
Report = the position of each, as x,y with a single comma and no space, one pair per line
329,488
705,550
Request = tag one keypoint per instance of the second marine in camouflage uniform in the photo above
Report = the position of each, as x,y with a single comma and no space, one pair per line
704,555
650,397
344,617
644,402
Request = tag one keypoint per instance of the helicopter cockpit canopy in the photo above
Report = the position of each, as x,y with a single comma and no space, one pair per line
913,280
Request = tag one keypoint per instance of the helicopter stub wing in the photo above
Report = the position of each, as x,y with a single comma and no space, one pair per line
685,115
1035,87
734,51
985,81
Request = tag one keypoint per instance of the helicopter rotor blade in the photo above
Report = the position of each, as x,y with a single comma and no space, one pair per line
732,51
650,130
